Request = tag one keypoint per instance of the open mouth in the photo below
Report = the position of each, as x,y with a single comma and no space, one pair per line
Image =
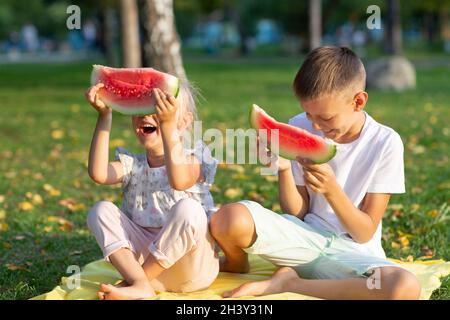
148,129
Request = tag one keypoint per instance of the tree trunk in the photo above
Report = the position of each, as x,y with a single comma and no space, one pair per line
393,41
131,46
242,30
109,36
162,44
445,28
315,23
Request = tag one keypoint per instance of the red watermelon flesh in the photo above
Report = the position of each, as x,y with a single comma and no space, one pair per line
293,141
129,90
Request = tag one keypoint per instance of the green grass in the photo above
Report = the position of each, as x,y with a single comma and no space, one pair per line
42,102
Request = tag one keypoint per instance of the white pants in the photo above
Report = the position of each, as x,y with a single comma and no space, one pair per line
183,246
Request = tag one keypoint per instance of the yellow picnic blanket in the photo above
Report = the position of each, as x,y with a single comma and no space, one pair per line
94,273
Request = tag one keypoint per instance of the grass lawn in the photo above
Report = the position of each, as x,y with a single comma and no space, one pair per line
46,128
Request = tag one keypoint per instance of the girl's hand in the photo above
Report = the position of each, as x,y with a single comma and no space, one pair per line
319,177
166,107
95,101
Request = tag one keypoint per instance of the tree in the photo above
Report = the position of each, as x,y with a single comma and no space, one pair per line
162,46
393,41
315,23
131,46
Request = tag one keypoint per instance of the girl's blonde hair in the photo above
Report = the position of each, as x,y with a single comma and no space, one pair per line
187,97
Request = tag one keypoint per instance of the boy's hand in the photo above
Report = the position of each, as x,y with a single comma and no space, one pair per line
95,101
319,177
166,106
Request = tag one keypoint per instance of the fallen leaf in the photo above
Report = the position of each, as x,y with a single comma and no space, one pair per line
57,134
271,178
7,154
2,214
51,190
255,196
54,193
415,190
65,225
427,252
38,176
395,245
13,267
433,213
2,198
404,241
37,199
25,206
10,174
417,149
3,226
77,184
214,188
235,167
395,206
233,193
428,107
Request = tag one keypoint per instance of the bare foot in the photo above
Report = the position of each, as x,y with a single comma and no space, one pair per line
122,291
121,284
276,284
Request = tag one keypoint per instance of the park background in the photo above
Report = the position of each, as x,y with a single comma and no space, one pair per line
237,53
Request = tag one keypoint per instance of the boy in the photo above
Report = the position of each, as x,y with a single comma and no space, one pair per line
328,244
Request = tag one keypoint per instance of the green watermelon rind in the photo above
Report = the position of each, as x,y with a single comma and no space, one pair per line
330,154
130,111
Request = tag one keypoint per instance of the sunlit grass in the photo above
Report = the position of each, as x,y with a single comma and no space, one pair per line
46,128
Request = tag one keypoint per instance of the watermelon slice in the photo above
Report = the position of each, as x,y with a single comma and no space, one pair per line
293,142
129,90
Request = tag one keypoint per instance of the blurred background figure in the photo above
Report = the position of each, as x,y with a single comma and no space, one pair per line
222,28
89,30
30,37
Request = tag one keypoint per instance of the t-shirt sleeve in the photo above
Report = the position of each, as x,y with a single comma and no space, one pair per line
389,175
296,168
207,161
297,172
127,161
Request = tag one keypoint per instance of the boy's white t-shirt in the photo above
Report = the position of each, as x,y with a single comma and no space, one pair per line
373,163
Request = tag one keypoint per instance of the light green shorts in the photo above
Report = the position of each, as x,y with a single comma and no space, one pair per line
285,240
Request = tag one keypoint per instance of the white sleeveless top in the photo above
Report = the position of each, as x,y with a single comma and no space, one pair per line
147,194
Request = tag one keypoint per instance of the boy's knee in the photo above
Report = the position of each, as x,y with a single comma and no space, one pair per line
232,221
99,212
403,285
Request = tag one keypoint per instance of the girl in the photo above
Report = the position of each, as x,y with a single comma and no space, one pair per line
159,239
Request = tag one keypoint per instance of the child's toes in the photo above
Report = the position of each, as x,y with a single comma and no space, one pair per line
101,295
227,294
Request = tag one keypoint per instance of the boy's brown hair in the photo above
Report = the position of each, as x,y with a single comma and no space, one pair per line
328,70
